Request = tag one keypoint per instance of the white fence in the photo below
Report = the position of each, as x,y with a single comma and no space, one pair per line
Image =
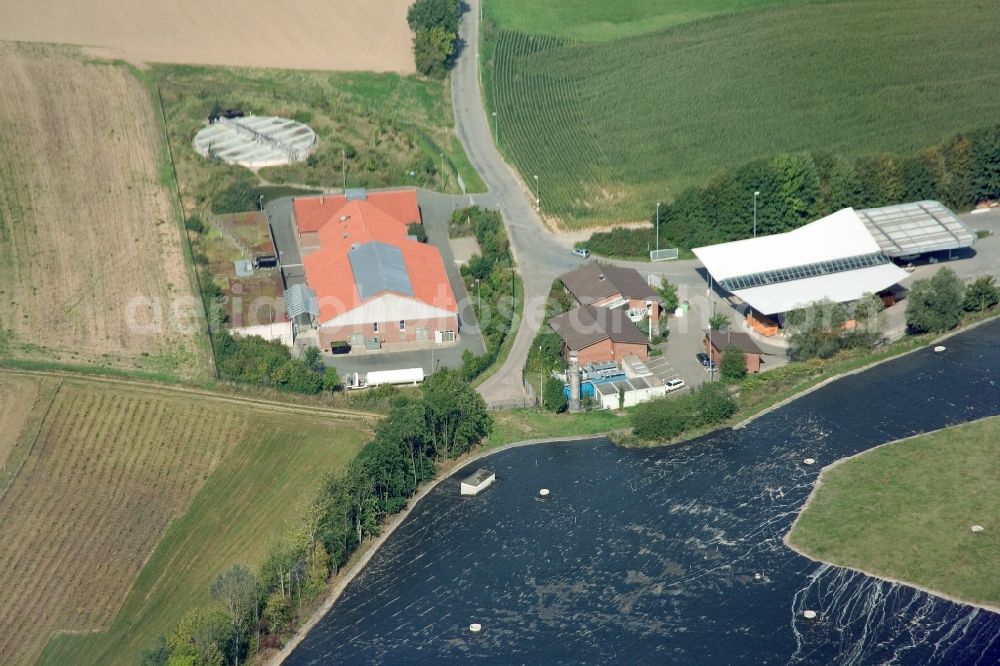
663,255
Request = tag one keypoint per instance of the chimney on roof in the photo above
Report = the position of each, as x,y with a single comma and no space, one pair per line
601,277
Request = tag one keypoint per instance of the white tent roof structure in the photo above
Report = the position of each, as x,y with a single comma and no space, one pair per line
835,257
916,228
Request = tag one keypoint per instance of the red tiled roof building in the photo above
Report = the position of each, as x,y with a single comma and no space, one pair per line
372,281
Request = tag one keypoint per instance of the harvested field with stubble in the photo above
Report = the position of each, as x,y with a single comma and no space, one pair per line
123,478
346,35
93,269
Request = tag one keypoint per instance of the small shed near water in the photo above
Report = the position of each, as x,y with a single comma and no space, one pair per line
479,481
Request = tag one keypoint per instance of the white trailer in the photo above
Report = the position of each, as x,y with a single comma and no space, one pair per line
357,380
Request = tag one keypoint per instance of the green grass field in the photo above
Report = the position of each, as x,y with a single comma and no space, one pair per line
388,126
904,511
612,127
245,503
599,20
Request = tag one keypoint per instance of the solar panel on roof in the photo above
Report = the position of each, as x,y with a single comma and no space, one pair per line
379,267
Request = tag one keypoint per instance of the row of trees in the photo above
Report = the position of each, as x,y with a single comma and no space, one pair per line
435,27
259,609
269,363
797,188
490,279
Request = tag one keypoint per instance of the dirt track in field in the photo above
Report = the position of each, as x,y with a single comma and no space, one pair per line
91,245
347,35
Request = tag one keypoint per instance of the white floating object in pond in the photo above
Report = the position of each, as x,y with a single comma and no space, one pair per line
544,492
810,461
475,627
977,528
757,576
809,614
939,349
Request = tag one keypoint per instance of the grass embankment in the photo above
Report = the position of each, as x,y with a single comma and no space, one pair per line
904,511
852,78
382,126
523,424
139,496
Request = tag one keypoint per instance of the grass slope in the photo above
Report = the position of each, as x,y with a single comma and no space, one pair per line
387,126
600,20
904,511
99,485
613,127
244,505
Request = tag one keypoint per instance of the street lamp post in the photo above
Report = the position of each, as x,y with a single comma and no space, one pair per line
496,129
479,299
657,226
538,198
541,388
755,195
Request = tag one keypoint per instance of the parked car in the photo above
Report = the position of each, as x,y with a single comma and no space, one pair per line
581,252
340,347
703,359
674,384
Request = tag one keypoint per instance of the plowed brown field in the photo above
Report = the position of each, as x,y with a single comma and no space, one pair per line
349,35
92,266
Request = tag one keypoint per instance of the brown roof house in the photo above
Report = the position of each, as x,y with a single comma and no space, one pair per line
599,334
612,287
716,342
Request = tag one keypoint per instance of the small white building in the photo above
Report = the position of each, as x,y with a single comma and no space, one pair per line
637,390
479,481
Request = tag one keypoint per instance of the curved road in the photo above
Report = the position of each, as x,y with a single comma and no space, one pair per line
539,255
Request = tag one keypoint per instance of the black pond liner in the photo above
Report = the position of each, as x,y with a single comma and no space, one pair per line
649,556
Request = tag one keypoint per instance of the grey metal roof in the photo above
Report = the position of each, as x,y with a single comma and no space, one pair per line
916,228
300,300
379,267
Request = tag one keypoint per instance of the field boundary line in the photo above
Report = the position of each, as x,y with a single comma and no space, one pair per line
261,403
34,439
188,251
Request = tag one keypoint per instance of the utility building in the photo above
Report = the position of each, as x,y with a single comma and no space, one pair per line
839,257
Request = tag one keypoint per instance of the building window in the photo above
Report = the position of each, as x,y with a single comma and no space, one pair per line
357,339
375,327
447,336
402,324
422,334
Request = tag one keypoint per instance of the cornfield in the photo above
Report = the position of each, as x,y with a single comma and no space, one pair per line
611,128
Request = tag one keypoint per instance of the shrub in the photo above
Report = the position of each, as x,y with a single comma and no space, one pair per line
712,404
733,365
660,420
237,197
935,305
553,396
981,295
432,50
194,224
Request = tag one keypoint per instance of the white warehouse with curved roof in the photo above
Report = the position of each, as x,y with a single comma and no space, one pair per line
839,257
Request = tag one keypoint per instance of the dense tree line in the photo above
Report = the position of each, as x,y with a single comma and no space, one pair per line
435,27
260,609
269,363
795,189
666,418
489,278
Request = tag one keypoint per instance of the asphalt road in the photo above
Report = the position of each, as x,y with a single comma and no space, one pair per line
539,254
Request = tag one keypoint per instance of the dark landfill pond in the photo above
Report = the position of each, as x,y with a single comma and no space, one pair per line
649,556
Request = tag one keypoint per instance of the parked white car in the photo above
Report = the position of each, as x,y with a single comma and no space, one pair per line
674,384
